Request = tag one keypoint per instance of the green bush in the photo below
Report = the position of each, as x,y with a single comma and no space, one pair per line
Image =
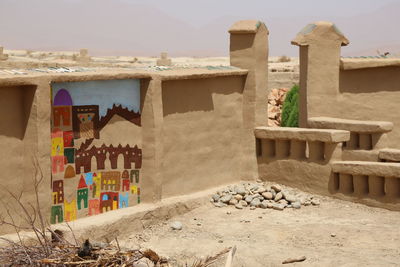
290,109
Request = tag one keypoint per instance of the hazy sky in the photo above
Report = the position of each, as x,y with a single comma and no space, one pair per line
188,27
198,12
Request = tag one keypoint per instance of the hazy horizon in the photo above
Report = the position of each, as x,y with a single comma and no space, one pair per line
188,28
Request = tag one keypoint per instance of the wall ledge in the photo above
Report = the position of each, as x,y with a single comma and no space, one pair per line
363,63
367,168
350,125
302,134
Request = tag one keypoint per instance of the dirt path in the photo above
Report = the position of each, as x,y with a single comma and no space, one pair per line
336,233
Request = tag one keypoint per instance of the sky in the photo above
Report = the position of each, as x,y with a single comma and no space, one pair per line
187,27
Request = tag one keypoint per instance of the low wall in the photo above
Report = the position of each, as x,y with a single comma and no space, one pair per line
106,141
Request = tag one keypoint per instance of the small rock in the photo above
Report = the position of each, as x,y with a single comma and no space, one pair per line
276,187
296,205
228,212
216,197
198,224
226,198
241,190
243,203
255,202
289,206
248,199
278,206
290,198
220,241
283,201
307,203
269,205
254,187
238,206
176,225
220,204
233,201
261,189
333,235
278,196
267,195
252,208
315,202
238,197
264,204
259,181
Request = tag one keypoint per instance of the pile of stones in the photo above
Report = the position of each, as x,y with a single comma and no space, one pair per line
261,195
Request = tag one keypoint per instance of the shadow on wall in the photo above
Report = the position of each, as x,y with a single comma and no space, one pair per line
15,105
241,41
196,95
369,80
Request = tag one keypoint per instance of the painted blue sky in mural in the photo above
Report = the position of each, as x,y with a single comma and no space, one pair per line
104,93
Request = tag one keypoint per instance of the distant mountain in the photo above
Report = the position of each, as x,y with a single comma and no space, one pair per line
120,28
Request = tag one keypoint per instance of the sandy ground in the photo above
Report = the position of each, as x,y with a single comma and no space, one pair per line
336,233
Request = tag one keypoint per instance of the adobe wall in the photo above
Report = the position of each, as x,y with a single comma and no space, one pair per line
189,135
202,133
331,86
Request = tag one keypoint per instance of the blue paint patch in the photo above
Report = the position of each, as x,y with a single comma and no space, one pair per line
104,93
89,178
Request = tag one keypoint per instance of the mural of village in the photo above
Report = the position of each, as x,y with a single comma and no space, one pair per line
95,148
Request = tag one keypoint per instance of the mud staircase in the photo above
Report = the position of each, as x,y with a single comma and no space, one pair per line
368,168
349,159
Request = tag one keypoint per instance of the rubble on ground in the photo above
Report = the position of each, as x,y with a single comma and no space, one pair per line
262,195
276,98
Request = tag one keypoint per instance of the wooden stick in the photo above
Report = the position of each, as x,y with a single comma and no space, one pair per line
292,260
229,259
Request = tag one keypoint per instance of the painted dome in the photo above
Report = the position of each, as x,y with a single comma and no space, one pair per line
62,98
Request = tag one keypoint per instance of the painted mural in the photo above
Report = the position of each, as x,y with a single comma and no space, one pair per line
96,153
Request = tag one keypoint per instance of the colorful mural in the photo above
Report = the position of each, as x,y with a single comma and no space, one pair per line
96,151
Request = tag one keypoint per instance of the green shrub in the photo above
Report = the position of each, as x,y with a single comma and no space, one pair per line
290,109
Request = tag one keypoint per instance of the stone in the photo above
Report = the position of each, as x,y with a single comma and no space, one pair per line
276,187
261,189
333,234
254,187
296,205
269,205
241,190
276,206
238,197
283,201
252,208
176,225
216,197
226,198
259,181
278,196
243,203
248,199
255,202
307,203
264,204
315,202
219,204
290,198
233,201
267,195
238,206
